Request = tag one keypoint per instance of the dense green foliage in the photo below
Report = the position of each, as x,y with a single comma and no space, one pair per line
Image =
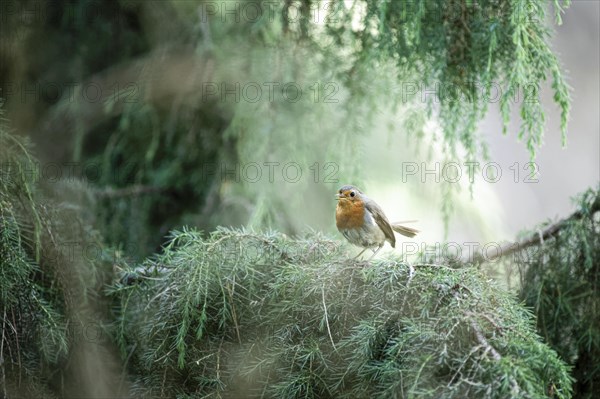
561,283
34,337
49,284
468,53
253,315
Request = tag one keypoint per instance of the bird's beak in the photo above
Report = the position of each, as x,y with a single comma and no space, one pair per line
338,196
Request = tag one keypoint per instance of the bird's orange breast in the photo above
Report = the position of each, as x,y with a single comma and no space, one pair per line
349,214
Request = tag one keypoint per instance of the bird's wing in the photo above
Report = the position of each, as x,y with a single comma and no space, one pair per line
381,220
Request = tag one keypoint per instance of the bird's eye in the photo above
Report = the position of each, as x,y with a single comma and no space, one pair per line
352,193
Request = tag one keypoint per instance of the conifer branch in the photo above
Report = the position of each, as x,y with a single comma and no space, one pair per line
535,238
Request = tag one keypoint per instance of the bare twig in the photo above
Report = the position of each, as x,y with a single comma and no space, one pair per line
411,274
14,323
483,341
230,289
490,349
473,350
124,369
327,317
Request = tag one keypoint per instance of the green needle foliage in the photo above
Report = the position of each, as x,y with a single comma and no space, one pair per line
48,284
561,283
466,53
242,314
33,328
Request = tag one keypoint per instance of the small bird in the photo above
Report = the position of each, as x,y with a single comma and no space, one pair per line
363,222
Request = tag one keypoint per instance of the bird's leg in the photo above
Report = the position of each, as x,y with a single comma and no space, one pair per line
361,252
375,252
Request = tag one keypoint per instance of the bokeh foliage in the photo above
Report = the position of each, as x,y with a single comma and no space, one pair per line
242,314
155,128
52,270
33,328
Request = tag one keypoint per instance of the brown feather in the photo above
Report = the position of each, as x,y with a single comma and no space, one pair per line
405,231
381,221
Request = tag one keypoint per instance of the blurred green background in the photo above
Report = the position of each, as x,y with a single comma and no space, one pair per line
168,96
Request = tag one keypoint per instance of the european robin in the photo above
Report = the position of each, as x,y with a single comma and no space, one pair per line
363,222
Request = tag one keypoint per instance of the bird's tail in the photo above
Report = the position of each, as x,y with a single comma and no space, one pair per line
405,231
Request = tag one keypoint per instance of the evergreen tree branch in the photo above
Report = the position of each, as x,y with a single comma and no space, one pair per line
535,238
